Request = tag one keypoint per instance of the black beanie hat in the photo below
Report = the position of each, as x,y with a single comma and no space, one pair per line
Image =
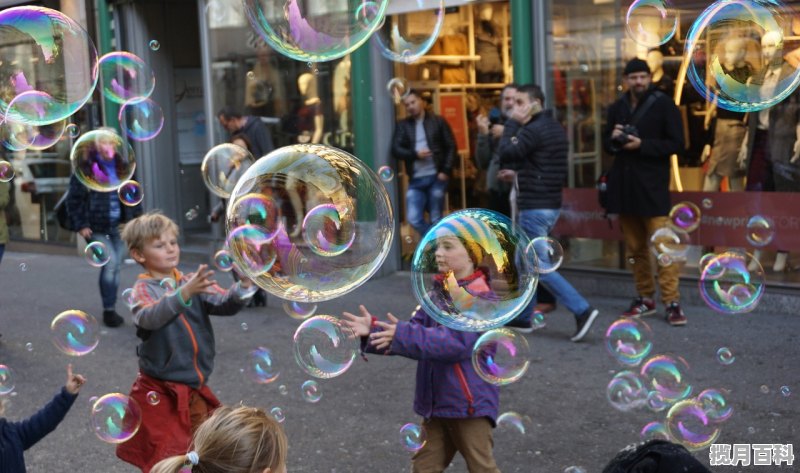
636,65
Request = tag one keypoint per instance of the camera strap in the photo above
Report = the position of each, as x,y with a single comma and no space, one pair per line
644,107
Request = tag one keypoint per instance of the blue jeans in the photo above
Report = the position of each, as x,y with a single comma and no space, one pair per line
537,223
2,250
109,274
425,193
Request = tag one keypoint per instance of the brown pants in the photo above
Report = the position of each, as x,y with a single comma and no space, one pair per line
637,231
471,437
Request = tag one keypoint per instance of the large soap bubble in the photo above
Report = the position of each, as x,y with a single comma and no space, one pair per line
102,160
423,30
126,77
470,271
324,347
222,167
142,120
312,31
45,50
651,23
724,41
729,286
297,179
116,418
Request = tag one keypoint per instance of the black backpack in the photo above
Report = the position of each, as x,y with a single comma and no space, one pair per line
655,456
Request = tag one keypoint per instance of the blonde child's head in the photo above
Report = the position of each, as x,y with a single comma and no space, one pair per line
233,440
146,228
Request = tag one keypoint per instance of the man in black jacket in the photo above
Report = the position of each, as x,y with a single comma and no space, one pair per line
533,151
638,183
425,143
255,130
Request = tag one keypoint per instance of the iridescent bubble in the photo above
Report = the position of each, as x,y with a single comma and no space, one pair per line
153,398
169,285
667,375
283,390
514,421
574,469
324,347
471,272
664,260
256,209
116,418
261,366
386,173
708,203
74,332
23,267
717,68
97,254
277,414
29,346
223,260
130,193
328,230
31,126
651,23
154,45
129,297
102,160
142,120
538,321
786,391
760,231
728,286
397,47
16,136
333,31
251,248
656,402
501,356
715,405
685,216
654,431
398,88
325,176
311,391
715,270
6,380
626,391
223,166
46,136
46,50
548,254
725,356
413,437
299,310
245,327
764,389
191,214
629,341
73,130
672,242
6,171
751,430
688,425
125,77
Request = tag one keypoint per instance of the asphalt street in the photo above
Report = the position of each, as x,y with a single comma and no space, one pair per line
354,427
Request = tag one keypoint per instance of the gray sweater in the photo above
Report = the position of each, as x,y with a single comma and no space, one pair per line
177,339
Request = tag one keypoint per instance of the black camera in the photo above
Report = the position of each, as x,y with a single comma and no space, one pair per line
623,139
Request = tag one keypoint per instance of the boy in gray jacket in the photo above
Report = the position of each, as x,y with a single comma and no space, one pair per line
176,355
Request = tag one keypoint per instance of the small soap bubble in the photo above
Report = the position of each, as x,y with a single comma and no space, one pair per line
6,171
75,332
277,414
538,321
23,267
299,310
631,261
413,437
129,297
715,405
116,418
130,193
670,241
688,424
708,203
398,88
29,346
626,391
97,254
764,389
328,231
169,285
725,356
261,366
125,76
142,120
244,327
751,430
760,231
629,341
283,390
6,380
575,469
501,356
154,45
729,285
656,402
223,260
514,421
651,23
152,398
324,347
311,391
654,431
686,216
386,173
223,166
664,260
667,375
73,130
191,214
786,391
548,254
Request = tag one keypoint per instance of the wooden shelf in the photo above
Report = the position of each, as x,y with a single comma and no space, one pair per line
444,57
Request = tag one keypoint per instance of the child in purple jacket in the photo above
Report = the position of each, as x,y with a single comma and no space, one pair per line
458,406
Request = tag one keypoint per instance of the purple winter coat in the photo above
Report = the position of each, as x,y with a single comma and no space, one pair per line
447,384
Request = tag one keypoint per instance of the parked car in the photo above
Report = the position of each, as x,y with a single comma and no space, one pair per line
39,183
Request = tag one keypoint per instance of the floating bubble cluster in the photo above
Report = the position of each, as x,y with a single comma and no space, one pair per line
471,271
74,332
115,418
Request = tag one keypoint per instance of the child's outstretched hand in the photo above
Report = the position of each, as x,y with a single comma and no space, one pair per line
74,381
360,325
199,282
383,339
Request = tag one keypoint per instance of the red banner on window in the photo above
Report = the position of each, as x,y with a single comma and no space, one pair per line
724,224
453,109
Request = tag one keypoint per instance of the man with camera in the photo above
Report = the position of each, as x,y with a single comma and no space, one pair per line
533,153
644,129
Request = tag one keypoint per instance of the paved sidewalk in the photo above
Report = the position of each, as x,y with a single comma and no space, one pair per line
354,428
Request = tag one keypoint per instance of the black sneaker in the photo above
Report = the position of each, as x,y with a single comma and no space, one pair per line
112,319
584,322
520,326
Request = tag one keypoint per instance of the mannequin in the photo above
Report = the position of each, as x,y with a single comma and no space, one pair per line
487,41
341,92
310,119
775,131
661,81
729,128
